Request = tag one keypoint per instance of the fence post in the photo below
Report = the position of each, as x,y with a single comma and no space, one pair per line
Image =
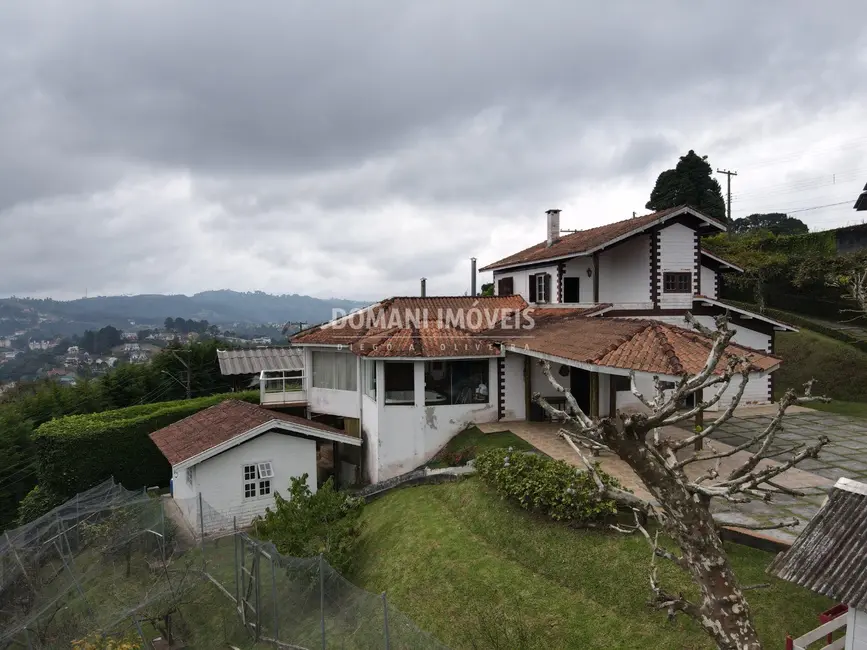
77,521
385,619
202,529
322,597
163,529
235,557
274,598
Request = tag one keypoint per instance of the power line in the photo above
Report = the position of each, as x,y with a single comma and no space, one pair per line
817,207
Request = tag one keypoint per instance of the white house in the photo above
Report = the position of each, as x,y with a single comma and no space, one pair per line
237,455
830,557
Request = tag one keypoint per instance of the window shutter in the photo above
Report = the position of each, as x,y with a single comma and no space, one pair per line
547,287
532,289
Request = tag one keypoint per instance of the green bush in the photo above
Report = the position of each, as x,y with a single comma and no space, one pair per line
307,524
551,487
78,451
36,503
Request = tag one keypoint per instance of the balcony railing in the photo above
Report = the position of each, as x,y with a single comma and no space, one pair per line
281,387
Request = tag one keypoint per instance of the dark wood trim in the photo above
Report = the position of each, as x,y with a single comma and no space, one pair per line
528,395
534,265
501,388
697,281
594,394
612,397
698,310
654,269
561,271
596,278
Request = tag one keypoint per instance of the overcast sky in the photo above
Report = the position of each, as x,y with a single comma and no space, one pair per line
348,148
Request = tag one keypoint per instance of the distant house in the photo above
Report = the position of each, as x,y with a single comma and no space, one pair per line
237,455
40,345
129,348
10,354
72,349
111,362
830,557
5,342
263,340
129,336
68,380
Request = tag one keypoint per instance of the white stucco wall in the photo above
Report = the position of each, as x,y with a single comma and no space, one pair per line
708,282
577,268
221,479
624,274
676,254
515,392
370,429
539,383
521,280
856,630
409,435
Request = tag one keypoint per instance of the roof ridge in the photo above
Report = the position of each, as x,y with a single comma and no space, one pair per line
659,331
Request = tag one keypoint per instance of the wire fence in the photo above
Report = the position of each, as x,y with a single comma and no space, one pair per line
159,572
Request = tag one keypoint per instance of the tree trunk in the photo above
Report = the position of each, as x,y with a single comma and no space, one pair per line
722,610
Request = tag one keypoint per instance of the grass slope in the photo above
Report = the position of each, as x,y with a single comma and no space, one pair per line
479,573
840,370
473,440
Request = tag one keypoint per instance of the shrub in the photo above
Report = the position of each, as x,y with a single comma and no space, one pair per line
78,451
36,503
551,487
308,524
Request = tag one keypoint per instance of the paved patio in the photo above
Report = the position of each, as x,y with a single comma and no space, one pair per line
846,455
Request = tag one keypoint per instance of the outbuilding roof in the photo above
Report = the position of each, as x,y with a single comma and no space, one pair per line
228,420
830,555
588,241
250,361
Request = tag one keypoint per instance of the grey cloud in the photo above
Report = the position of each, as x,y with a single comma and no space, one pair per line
305,128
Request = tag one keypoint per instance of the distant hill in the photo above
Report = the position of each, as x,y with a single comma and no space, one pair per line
222,307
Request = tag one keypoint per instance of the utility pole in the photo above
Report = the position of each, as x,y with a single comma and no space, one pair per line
189,375
729,175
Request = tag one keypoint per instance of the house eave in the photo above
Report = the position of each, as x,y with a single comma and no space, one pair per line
745,313
281,425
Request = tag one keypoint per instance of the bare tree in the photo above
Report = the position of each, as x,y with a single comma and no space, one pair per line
682,504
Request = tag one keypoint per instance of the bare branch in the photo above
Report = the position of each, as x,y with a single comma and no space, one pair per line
794,523
713,426
582,418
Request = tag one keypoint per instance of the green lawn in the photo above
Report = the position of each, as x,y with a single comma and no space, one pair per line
478,572
473,440
853,409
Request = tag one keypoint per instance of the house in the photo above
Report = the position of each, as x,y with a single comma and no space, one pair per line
408,373
653,267
272,370
830,557
129,336
128,348
40,345
5,342
72,350
237,455
10,354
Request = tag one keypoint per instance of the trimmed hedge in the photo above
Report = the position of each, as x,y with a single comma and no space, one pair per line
551,487
36,503
75,452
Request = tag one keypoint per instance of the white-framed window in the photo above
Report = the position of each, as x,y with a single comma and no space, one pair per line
335,370
257,479
369,378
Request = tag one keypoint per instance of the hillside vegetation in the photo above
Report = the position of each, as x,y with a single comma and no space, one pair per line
478,572
840,370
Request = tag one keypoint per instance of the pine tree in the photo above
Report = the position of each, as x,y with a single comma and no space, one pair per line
689,183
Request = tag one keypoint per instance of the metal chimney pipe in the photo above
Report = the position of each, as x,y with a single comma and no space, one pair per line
473,276
423,287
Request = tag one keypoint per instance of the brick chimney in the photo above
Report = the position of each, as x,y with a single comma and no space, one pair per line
553,226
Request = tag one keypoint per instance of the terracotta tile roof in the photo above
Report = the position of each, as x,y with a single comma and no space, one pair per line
629,344
418,327
582,241
212,426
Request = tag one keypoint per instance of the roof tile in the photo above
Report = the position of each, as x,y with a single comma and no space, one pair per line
212,426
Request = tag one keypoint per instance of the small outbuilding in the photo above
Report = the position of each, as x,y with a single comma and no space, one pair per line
830,557
236,455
